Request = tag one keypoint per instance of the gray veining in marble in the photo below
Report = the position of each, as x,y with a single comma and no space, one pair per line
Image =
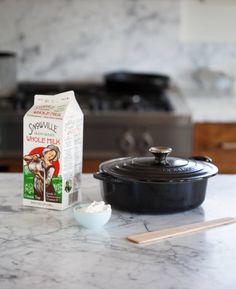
78,40
46,249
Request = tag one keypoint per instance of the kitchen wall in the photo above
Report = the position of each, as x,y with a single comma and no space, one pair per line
81,40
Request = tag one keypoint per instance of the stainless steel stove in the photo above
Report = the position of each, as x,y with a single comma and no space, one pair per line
116,123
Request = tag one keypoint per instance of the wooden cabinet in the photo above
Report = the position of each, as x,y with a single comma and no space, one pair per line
91,166
11,165
218,141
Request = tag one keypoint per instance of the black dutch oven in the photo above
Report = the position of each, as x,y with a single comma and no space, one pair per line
152,185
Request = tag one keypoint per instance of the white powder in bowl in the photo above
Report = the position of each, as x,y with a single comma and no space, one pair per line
95,207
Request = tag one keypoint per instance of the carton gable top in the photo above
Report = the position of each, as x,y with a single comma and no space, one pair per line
54,106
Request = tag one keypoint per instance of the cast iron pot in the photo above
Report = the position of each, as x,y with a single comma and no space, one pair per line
152,185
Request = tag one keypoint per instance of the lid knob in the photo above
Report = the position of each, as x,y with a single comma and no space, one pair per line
160,154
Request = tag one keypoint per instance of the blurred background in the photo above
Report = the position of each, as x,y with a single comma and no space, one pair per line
182,52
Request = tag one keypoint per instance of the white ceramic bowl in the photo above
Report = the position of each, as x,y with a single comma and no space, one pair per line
91,220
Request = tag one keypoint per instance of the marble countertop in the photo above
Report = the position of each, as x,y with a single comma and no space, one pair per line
211,108
47,249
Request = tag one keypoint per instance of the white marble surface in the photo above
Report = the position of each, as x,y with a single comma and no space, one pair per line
79,40
47,249
211,108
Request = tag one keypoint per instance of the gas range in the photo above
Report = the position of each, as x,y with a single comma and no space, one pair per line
116,123
92,98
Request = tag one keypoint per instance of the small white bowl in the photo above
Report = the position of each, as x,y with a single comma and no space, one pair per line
91,220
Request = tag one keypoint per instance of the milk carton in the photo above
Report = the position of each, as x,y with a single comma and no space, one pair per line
53,143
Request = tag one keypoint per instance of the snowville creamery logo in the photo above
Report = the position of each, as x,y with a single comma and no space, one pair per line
45,136
42,125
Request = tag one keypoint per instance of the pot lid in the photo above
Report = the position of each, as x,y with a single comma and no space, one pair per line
160,168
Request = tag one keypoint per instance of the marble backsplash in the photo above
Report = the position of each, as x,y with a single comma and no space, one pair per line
81,40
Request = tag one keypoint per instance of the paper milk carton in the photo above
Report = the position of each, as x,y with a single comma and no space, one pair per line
53,143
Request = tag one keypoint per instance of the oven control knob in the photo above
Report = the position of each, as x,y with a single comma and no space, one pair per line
127,143
145,142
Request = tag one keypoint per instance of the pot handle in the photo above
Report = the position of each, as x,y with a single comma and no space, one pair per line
105,177
201,158
160,154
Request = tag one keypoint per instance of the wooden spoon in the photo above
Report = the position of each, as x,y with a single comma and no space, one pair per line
179,231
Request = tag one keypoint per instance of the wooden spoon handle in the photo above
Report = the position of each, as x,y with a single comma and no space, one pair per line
178,231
